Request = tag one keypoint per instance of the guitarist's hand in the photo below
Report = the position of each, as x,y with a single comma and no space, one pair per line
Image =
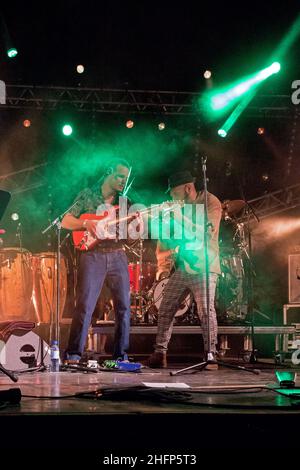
90,226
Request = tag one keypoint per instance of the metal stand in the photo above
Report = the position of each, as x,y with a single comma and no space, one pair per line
8,373
249,275
138,296
55,321
210,359
249,272
4,200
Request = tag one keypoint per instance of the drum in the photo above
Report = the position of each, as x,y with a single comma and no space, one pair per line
148,273
44,285
15,285
232,266
185,302
231,302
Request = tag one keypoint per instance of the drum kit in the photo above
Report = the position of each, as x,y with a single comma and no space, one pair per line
231,292
28,282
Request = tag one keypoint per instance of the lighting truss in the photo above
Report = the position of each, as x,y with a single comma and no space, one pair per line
101,100
276,202
23,180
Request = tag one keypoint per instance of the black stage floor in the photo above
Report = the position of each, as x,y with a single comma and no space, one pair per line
224,408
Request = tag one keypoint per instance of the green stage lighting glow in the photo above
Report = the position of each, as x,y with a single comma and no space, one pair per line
216,103
222,133
12,52
67,130
276,67
258,78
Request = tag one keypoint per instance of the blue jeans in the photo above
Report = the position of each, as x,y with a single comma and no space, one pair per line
94,268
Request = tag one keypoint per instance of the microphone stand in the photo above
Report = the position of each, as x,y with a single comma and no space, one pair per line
209,354
249,273
55,319
4,200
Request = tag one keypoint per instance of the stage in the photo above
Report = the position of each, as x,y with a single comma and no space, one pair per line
221,408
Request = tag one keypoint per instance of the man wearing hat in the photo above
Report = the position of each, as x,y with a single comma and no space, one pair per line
186,276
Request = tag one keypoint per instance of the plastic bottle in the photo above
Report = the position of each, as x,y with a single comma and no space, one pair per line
54,356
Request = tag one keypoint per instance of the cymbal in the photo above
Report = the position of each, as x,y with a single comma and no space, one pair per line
232,207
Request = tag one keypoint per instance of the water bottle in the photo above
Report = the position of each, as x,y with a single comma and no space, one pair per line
54,356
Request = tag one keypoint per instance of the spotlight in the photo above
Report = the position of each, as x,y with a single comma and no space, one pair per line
207,74
80,68
12,52
261,130
26,123
161,126
67,130
222,133
129,124
275,67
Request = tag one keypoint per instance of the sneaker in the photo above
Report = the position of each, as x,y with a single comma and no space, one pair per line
71,359
71,362
157,360
212,365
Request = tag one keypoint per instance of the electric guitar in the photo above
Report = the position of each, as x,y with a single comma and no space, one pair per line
107,223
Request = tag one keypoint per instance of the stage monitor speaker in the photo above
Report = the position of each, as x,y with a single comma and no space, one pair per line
294,278
23,352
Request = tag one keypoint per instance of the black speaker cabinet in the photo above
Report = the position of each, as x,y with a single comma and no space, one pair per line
294,278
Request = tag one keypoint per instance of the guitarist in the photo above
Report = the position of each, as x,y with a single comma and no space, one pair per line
107,260
188,273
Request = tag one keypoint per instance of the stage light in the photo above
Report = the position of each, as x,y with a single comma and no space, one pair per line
80,68
207,74
224,98
275,67
261,130
222,133
161,126
12,52
67,129
26,123
129,124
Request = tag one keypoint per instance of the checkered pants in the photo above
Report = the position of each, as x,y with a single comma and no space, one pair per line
179,282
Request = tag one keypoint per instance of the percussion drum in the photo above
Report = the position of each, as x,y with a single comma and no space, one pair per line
15,285
44,285
231,303
148,272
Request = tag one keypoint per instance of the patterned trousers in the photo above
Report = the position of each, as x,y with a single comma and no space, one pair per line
176,287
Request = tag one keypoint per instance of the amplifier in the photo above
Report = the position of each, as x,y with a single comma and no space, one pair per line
294,278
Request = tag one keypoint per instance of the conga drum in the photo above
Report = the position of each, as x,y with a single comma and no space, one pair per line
44,285
15,284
